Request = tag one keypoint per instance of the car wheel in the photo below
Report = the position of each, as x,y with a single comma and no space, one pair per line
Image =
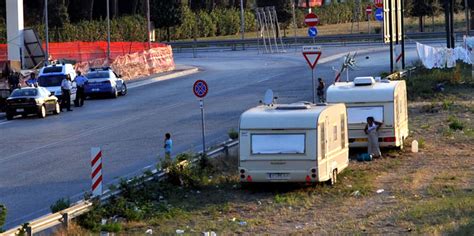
9,116
57,110
124,90
42,112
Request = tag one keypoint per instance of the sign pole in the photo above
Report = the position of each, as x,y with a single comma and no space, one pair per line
312,80
201,105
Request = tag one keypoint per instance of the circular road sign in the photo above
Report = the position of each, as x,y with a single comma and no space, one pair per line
379,14
200,88
368,10
312,32
378,3
311,20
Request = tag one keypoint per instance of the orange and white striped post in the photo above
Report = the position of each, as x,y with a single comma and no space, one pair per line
96,171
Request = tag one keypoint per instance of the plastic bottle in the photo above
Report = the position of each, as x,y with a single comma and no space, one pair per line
414,146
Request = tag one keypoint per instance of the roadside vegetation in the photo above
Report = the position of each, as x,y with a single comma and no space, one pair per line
3,216
430,192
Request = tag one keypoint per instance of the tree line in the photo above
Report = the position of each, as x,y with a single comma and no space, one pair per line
181,19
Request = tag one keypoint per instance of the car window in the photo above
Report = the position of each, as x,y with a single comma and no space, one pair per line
98,75
50,80
24,92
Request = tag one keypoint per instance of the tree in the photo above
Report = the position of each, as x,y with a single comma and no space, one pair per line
165,14
421,8
3,215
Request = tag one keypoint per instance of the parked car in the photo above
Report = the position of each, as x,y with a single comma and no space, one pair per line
29,100
104,81
51,77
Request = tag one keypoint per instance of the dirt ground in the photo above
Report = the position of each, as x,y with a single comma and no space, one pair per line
429,192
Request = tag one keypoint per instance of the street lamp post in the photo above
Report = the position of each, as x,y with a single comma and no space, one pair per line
46,30
148,22
108,33
242,22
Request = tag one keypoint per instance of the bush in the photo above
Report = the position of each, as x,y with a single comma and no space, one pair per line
59,205
112,227
233,134
3,216
455,123
207,28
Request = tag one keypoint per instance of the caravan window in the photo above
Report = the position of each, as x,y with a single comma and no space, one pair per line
358,115
278,143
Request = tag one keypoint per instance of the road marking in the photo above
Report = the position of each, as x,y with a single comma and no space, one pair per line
163,78
4,122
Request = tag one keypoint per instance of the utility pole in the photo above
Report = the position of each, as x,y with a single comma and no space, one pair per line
148,22
466,11
242,22
108,33
46,31
390,34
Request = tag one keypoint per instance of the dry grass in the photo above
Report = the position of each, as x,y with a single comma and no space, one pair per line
430,192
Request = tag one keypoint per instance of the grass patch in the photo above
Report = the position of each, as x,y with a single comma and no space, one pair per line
455,124
453,213
438,83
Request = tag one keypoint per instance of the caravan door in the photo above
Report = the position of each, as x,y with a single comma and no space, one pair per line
323,164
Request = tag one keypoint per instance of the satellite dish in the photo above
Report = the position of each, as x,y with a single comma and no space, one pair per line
268,98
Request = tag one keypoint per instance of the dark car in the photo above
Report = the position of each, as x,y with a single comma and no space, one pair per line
24,101
104,81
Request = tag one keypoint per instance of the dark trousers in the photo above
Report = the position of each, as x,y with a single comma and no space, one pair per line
66,99
80,96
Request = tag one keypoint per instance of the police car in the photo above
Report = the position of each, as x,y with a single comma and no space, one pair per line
104,81
51,76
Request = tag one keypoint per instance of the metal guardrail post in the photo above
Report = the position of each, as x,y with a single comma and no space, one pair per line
29,231
66,220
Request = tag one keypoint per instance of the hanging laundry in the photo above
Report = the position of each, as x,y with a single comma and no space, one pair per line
432,57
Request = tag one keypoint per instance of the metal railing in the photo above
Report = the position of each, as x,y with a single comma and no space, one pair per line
65,216
343,39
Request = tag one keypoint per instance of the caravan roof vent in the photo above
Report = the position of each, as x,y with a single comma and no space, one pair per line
364,81
294,106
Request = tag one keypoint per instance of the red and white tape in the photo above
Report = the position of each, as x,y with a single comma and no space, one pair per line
96,171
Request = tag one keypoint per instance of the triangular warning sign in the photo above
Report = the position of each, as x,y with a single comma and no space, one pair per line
312,58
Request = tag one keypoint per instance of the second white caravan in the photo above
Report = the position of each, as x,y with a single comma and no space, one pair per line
384,100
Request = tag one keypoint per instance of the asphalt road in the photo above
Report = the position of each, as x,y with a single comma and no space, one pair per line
42,160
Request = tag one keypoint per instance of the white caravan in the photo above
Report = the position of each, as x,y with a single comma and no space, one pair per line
298,142
384,100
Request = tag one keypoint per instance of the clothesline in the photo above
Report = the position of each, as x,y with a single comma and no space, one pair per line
442,57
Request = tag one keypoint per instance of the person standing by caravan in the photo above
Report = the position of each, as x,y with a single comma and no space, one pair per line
321,87
371,129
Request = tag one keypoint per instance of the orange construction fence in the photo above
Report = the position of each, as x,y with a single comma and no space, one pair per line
130,59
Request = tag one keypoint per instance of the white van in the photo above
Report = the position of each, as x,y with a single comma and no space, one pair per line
384,100
299,142
51,77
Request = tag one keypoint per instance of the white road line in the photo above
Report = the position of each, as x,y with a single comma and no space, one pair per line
5,122
163,78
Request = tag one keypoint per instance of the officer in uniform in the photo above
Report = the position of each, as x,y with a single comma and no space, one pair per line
66,86
80,95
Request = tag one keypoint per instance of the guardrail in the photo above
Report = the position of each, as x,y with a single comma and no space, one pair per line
181,46
65,216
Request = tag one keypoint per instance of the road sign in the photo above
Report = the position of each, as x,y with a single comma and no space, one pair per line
200,88
368,10
311,20
378,3
312,32
312,55
379,14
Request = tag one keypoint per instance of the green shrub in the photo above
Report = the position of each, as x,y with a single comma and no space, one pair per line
59,205
3,216
207,27
112,227
233,134
455,123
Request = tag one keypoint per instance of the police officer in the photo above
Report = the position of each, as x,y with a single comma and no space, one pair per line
32,81
66,86
80,95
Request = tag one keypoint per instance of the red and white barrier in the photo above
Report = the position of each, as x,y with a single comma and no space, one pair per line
96,171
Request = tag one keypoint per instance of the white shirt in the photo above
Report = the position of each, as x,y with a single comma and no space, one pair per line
66,84
371,127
